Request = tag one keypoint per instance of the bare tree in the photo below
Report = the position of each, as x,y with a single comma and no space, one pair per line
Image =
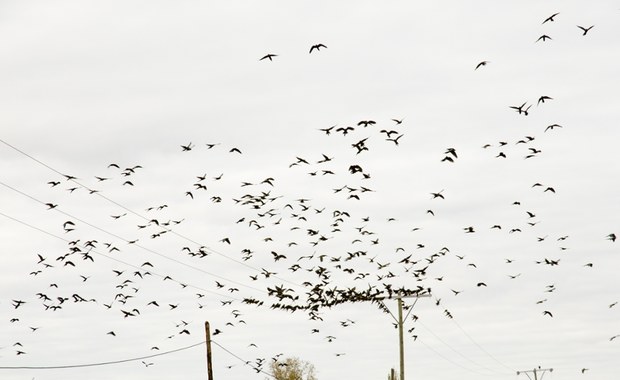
293,369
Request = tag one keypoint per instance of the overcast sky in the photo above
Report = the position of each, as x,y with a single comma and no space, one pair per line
515,245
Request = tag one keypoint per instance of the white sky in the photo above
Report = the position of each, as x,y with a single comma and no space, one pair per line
86,84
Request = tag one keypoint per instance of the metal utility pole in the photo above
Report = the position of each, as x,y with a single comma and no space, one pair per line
535,372
208,340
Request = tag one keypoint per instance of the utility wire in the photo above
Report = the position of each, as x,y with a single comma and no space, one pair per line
452,361
138,214
105,363
112,258
481,348
126,240
458,352
410,309
241,359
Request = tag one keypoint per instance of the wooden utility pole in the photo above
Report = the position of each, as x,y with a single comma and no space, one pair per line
535,372
400,325
401,341
208,340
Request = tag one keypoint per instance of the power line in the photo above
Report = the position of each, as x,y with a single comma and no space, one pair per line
138,214
68,366
110,257
245,362
452,361
481,348
458,352
126,240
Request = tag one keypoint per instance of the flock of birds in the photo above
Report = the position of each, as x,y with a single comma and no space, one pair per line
292,247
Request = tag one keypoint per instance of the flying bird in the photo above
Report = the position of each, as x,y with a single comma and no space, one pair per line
483,63
395,141
519,109
438,195
550,18
544,38
345,130
327,130
543,98
552,126
585,30
269,56
317,47
366,123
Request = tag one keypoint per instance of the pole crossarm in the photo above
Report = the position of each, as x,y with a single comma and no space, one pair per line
396,296
535,372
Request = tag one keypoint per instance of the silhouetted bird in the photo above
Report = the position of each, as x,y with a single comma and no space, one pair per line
483,63
544,38
550,18
585,30
317,47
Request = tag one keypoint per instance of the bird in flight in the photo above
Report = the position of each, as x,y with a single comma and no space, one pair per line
543,98
345,130
317,47
544,37
550,18
269,56
395,141
327,130
585,30
483,63
366,123
553,126
438,195
519,109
